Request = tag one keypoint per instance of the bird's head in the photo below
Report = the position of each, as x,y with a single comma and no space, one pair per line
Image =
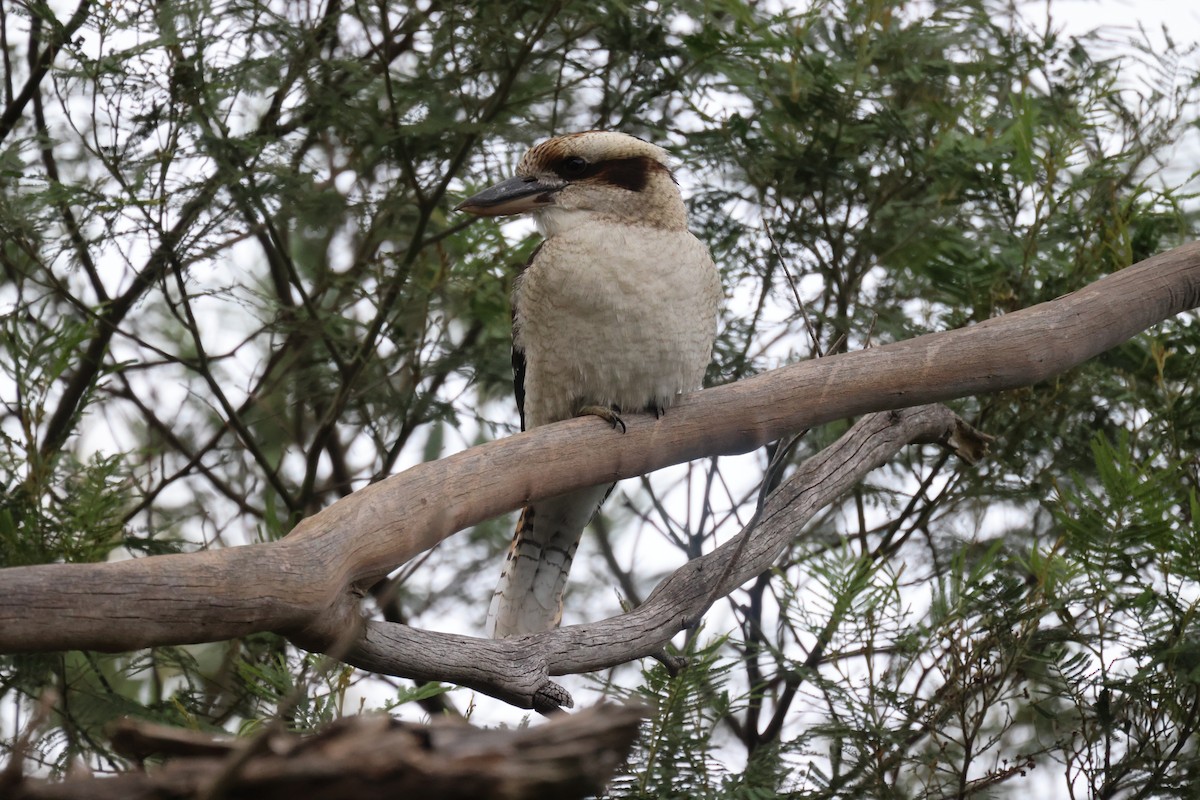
572,179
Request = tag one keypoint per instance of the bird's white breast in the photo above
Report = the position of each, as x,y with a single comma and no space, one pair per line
614,314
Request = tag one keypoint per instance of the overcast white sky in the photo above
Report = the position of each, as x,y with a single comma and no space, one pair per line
1177,19
1181,16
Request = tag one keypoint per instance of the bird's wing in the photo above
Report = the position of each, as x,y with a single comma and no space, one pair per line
518,353
518,362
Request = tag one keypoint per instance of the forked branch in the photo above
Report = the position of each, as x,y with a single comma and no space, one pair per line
309,585
518,670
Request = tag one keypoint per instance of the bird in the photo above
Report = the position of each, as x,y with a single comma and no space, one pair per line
616,311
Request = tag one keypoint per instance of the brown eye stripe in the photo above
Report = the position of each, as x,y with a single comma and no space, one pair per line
624,173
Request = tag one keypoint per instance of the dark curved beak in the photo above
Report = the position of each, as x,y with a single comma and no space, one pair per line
513,196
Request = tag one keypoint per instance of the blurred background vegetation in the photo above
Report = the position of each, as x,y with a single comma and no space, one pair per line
233,291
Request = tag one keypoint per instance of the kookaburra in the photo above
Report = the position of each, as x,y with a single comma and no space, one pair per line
615,312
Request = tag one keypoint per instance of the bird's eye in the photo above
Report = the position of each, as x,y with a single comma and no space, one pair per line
573,166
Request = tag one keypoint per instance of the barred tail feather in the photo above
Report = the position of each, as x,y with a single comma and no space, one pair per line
529,597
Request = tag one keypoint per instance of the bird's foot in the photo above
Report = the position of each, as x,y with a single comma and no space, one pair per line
611,415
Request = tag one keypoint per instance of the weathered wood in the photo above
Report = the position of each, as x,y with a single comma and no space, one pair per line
364,758
519,670
308,585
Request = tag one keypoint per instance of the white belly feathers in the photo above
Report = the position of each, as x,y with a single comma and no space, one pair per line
614,314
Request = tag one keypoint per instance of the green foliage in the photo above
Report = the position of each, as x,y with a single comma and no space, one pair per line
674,757
1125,689
55,506
234,290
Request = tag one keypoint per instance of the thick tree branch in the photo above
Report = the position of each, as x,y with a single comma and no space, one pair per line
309,584
364,757
518,670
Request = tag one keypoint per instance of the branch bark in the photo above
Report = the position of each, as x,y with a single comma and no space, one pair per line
364,757
309,584
518,670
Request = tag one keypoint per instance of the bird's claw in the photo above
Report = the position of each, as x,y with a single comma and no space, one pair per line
609,415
